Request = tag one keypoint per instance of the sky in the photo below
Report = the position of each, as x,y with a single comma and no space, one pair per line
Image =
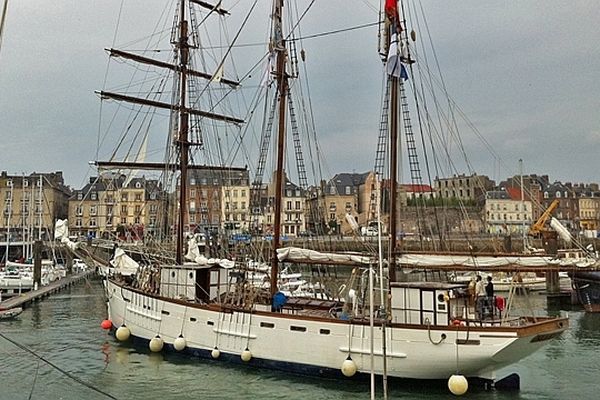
527,75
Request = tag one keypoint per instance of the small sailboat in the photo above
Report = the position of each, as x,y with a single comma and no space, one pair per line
422,330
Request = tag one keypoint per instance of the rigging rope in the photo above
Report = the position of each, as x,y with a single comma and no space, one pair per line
59,369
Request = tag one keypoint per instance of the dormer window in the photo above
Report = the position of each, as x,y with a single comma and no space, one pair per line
545,195
25,183
558,195
138,185
9,183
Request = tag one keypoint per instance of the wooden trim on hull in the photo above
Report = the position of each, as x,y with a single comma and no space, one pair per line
535,326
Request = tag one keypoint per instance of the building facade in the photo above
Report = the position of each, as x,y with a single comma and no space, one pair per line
31,204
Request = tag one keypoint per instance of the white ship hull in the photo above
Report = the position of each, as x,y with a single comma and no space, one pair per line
317,345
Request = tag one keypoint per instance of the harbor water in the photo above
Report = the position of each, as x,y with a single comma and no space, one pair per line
64,330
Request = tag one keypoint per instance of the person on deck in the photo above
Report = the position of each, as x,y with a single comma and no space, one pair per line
479,288
479,296
489,288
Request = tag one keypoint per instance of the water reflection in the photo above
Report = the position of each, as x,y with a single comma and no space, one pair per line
587,331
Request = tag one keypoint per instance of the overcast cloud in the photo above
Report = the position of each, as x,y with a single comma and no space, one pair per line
527,73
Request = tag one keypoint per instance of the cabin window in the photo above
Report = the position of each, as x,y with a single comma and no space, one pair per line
297,328
324,331
267,325
192,319
165,312
211,323
191,275
172,274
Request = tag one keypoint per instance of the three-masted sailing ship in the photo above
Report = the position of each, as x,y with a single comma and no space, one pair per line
419,330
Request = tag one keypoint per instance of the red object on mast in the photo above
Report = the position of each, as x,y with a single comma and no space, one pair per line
391,9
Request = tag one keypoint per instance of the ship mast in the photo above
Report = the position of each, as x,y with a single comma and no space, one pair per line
182,72
182,141
282,88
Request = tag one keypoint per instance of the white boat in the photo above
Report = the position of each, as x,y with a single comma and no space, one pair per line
425,331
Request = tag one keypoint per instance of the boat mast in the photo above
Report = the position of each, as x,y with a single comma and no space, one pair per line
282,87
394,27
183,143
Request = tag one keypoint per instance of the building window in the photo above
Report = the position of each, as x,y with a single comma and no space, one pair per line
94,196
124,197
79,196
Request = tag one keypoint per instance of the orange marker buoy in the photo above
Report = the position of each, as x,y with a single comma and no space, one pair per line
106,324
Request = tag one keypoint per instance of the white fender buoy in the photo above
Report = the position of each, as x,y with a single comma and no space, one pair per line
215,353
246,355
123,333
349,367
180,343
156,344
458,385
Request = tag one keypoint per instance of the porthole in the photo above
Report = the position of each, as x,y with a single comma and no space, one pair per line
298,328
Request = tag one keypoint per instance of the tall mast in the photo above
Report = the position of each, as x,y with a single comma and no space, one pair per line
183,47
393,176
282,83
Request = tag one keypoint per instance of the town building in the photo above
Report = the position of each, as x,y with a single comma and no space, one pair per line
115,205
506,212
469,189
31,205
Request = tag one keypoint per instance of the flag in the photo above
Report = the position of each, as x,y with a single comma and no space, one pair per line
394,65
391,9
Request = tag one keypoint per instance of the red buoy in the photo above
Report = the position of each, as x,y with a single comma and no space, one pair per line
106,324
